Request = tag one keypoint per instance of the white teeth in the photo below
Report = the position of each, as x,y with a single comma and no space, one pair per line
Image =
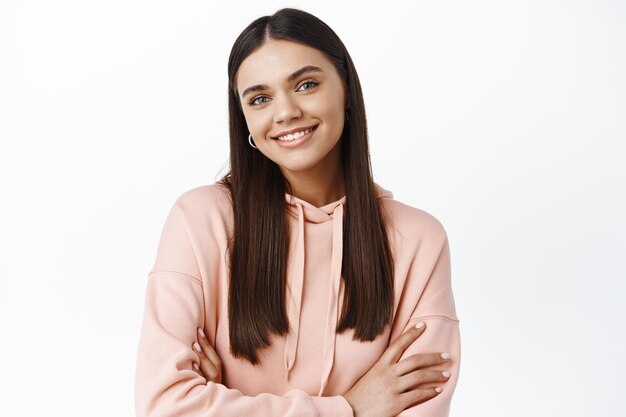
294,136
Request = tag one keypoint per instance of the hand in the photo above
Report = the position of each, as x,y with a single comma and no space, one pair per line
210,364
389,387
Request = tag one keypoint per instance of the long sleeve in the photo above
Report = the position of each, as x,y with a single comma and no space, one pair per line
436,308
165,383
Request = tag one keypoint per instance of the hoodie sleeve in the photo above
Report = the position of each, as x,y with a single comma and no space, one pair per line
436,308
165,383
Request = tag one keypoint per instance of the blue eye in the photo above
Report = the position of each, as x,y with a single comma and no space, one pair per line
312,83
254,101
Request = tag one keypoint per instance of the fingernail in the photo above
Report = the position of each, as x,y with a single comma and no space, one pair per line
446,374
419,325
438,389
196,346
445,355
195,366
201,332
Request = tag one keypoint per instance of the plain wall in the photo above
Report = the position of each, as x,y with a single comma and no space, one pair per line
503,119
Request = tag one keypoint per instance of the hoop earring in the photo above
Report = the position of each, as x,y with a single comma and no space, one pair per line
250,141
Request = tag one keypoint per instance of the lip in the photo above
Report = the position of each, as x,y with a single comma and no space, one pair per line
296,142
297,129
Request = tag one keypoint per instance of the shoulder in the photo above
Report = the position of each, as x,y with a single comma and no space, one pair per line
205,202
196,224
204,196
410,222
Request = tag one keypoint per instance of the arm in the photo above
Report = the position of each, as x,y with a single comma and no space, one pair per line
436,308
165,382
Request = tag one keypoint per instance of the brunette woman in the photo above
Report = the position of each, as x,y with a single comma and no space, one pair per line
296,285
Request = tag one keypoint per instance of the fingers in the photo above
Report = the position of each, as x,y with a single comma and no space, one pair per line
208,349
420,360
419,377
210,365
206,368
398,346
419,396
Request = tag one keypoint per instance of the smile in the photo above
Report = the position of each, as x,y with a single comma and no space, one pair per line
296,135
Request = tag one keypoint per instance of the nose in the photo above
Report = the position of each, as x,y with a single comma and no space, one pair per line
285,109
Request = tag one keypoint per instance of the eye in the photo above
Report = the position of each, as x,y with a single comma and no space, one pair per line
312,84
255,102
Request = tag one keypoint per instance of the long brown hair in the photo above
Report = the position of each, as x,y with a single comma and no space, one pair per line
260,242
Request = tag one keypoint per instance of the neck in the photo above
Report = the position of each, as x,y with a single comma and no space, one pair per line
320,186
319,193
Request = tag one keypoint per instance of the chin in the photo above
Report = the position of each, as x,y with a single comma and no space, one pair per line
297,167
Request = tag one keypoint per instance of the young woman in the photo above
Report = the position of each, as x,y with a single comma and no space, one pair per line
296,285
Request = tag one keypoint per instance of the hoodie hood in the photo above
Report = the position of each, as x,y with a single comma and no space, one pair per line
307,212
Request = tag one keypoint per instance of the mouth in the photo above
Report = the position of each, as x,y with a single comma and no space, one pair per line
295,135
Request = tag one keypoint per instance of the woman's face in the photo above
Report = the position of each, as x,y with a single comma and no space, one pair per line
284,87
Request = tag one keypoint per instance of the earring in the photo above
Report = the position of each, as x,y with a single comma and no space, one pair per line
250,141
347,116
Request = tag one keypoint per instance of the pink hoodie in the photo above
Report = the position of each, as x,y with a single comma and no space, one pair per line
306,372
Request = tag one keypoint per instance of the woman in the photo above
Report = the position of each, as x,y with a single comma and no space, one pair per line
277,290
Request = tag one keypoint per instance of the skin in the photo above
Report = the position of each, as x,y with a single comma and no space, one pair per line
315,173
313,169
386,389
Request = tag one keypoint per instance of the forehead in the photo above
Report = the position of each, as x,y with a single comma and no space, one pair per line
275,60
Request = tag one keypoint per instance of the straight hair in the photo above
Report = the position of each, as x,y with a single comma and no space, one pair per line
259,246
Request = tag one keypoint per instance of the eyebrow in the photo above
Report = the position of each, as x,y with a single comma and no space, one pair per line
304,70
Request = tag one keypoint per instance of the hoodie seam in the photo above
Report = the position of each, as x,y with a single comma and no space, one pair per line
195,254
190,277
434,316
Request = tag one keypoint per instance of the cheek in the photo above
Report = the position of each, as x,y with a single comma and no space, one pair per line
258,123
329,108
334,110
334,116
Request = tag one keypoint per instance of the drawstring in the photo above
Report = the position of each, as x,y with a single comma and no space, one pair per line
295,289
336,289
335,295
336,286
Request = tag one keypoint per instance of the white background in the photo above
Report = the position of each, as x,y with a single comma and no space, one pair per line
505,120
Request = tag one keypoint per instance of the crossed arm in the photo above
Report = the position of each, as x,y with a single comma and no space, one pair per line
388,388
